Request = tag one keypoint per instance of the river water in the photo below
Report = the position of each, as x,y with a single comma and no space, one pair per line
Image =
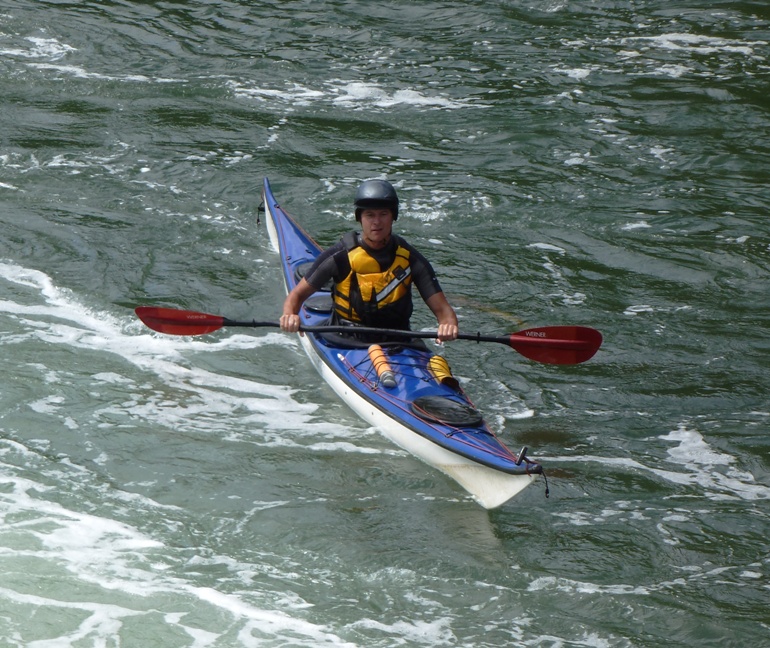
560,161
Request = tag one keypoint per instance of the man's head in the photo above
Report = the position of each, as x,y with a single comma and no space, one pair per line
376,194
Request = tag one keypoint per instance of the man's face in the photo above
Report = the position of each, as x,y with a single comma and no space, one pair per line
376,226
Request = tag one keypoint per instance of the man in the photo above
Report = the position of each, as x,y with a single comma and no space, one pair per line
373,272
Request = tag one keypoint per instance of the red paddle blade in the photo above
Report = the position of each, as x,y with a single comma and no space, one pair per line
179,322
557,344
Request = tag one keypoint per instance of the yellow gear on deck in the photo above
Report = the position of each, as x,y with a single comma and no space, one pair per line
439,368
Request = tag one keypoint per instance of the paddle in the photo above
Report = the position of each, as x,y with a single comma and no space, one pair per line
549,344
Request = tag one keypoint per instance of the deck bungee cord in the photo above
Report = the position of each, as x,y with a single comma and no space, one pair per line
500,450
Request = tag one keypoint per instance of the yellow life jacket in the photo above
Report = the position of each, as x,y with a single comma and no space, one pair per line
372,296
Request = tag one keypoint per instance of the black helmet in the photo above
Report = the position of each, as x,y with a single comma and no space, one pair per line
377,194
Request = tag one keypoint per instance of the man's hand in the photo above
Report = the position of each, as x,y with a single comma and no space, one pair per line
447,332
289,322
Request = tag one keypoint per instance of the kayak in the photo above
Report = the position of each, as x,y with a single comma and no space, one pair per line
400,387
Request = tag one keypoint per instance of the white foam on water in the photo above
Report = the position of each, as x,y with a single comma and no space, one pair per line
554,583
110,573
693,450
674,71
44,53
74,163
576,73
39,48
360,95
696,574
342,446
638,308
714,471
548,247
570,299
81,73
102,575
416,632
354,95
505,404
181,395
713,474
294,94
695,43
673,55
634,226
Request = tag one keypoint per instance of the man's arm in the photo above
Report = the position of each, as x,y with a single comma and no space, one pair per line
290,319
323,269
446,316
424,278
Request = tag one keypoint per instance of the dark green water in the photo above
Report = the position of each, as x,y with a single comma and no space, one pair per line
561,162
